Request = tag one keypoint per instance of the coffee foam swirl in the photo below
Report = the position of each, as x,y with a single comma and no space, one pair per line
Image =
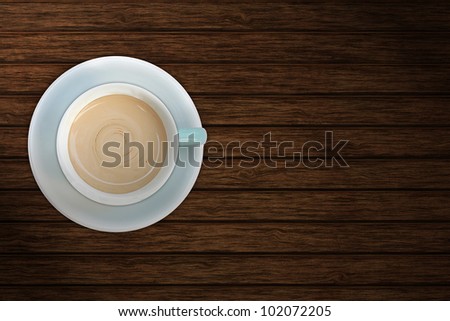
116,120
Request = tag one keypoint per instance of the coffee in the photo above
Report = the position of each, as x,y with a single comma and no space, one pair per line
117,144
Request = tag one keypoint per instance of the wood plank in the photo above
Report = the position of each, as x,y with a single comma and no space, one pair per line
31,206
361,142
361,174
17,110
240,141
221,270
279,238
286,110
313,110
265,79
230,47
223,292
15,142
284,15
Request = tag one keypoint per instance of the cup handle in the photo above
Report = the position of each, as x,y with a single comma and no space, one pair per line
192,136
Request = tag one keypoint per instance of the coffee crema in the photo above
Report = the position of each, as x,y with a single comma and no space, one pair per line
117,144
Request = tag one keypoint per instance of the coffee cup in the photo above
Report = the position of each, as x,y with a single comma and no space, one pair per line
117,143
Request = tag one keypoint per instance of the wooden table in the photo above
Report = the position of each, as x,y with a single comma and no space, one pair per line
377,75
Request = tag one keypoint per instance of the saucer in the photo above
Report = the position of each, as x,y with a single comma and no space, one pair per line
43,155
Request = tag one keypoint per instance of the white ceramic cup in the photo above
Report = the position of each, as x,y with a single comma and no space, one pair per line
176,137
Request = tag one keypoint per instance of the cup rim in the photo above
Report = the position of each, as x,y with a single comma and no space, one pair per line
63,153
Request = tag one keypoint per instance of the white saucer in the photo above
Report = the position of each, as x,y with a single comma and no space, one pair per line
42,144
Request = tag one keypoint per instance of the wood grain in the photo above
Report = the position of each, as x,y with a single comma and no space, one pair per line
239,142
229,47
361,142
362,174
253,206
374,73
286,110
224,292
226,269
265,79
189,15
321,111
231,238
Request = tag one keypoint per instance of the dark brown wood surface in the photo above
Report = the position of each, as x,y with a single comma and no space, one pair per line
373,73
254,79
